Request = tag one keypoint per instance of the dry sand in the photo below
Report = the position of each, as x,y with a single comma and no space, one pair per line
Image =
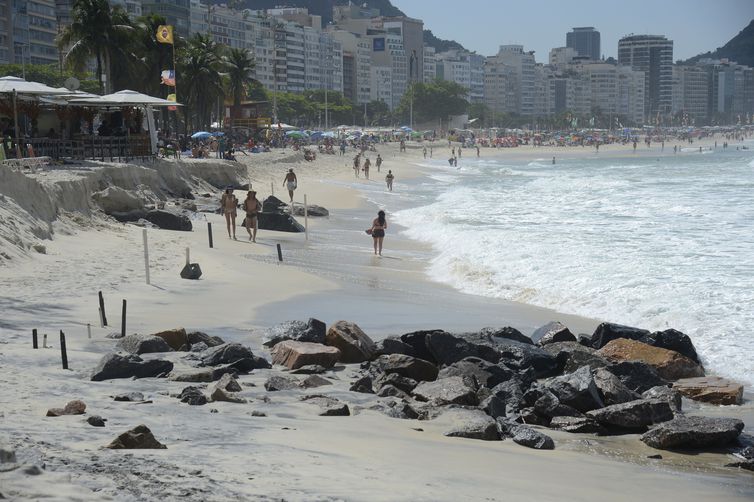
291,454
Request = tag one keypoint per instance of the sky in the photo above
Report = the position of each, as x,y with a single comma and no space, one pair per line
695,26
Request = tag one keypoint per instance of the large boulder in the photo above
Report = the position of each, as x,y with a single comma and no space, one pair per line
277,382
686,432
634,414
175,338
293,354
313,331
129,216
168,220
191,272
391,345
482,373
406,366
446,348
193,396
525,435
607,332
195,337
143,344
451,390
119,366
226,353
711,389
313,210
669,364
573,355
522,356
507,333
473,424
636,375
552,332
114,199
140,437
273,205
547,405
577,390
355,346
583,425
397,408
417,340
75,407
672,396
672,340
278,222
611,389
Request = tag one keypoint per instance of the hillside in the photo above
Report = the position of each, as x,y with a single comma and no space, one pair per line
739,49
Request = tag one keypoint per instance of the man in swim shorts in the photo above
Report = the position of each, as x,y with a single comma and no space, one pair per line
290,182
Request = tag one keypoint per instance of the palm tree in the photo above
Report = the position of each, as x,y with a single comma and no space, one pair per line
200,65
96,31
240,66
153,56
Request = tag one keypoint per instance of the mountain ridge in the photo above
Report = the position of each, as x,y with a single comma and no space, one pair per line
739,49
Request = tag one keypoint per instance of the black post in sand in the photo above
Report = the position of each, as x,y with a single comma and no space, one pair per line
123,320
102,309
34,338
209,231
280,253
63,353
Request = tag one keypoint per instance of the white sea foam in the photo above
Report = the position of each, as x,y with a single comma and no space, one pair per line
669,244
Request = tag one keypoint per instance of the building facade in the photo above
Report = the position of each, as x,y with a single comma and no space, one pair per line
585,41
653,55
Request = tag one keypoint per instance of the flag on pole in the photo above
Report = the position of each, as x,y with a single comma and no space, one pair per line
165,34
171,97
168,77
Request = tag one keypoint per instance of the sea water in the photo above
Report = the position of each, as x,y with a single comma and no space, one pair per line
650,242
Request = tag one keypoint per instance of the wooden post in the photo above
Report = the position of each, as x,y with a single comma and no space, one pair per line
63,353
306,219
123,320
188,257
280,253
146,254
89,330
103,317
272,188
44,341
209,231
34,338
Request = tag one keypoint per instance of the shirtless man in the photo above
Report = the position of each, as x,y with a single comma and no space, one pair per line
252,206
367,165
290,182
378,162
356,164
229,204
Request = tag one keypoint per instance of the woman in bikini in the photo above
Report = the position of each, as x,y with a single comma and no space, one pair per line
379,225
251,206
229,204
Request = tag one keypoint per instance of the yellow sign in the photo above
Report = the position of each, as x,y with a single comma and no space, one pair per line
171,97
165,34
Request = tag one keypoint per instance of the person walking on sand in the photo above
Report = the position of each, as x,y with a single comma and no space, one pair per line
229,204
290,182
379,225
378,161
424,151
252,206
367,165
356,165
389,180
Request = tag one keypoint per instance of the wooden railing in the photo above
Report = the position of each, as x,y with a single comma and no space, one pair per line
112,148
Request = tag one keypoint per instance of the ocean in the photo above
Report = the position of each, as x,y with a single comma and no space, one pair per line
650,242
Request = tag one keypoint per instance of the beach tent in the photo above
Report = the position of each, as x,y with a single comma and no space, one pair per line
296,134
205,135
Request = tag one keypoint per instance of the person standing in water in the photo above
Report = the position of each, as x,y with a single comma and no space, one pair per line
252,207
378,162
379,225
229,204
290,182
367,165
389,179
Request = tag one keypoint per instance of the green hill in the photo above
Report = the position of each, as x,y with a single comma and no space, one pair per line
739,49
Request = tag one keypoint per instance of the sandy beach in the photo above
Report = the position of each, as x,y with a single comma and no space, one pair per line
220,451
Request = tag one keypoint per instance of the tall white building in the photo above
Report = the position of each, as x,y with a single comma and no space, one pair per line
516,68
357,62
464,68
429,64
381,84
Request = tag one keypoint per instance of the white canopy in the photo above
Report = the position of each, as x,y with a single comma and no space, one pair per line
124,98
21,86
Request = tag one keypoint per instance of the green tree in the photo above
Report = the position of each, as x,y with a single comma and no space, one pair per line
378,113
240,67
295,109
96,31
434,101
199,65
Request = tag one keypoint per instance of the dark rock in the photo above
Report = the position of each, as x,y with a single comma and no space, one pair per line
314,381
389,346
607,332
403,383
118,366
331,407
355,346
277,222
577,390
309,369
685,432
363,385
75,407
313,210
510,393
229,383
634,414
524,435
275,383
673,397
418,341
671,339
389,390
140,437
507,333
218,393
129,396
612,390
294,354
256,413
407,366
197,337
167,220
473,424
193,396
572,356
273,205
494,406
583,425
226,353
191,271
548,405
143,344
448,349
746,452
744,464
520,356
175,338
552,332
129,216
313,331
637,376
397,408
7,455
530,416
96,421
482,373
451,390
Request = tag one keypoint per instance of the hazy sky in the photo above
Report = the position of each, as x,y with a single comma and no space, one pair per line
482,25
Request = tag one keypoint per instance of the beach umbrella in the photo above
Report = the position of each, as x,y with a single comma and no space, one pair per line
328,134
296,134
316,135
125,98
201,135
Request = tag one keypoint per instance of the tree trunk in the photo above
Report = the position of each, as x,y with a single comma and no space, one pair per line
99,71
